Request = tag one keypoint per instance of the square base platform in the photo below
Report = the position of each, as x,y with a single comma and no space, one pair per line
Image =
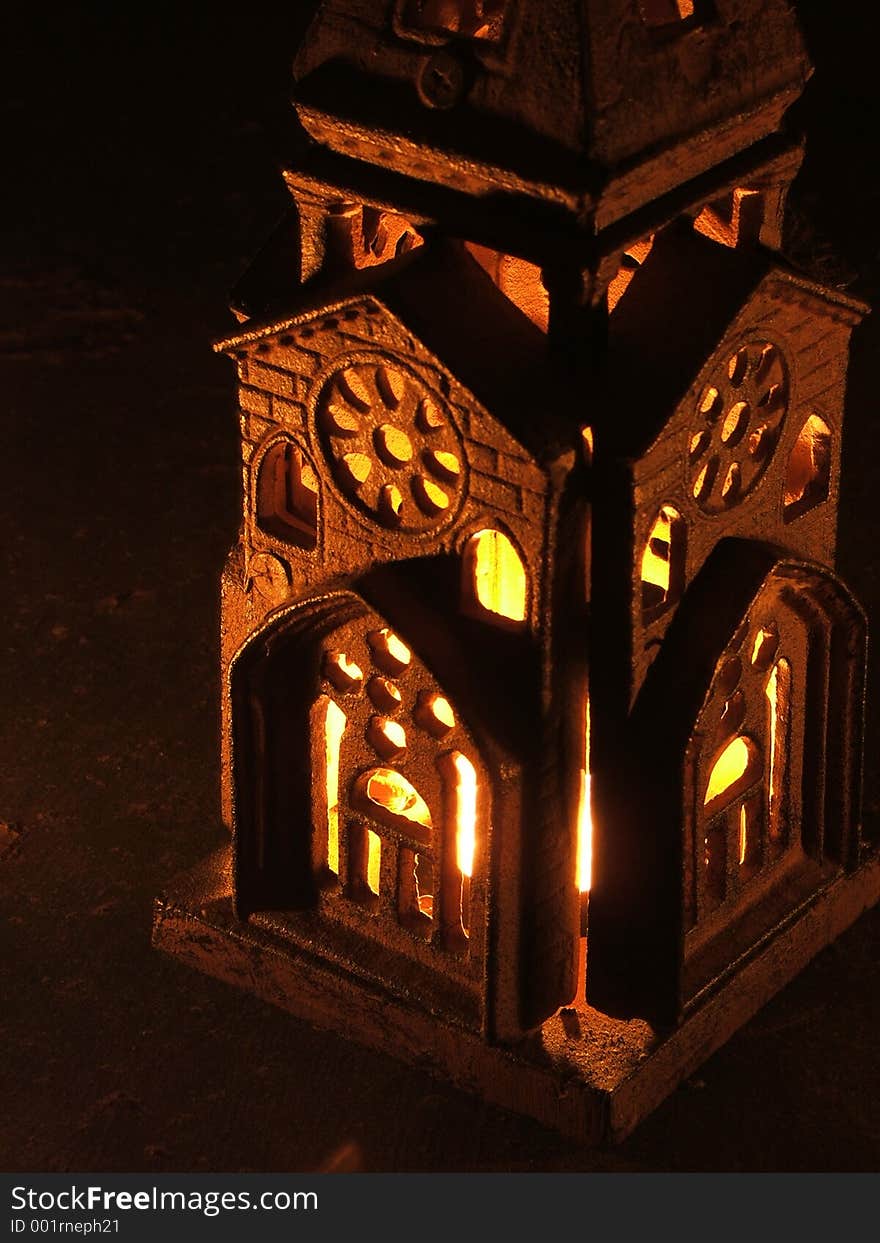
591,1077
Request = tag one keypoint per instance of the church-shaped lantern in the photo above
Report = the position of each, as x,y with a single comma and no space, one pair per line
542,701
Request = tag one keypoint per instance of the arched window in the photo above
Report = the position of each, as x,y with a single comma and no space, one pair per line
778,693
287,496
736,768
396,794
745,784
334,723
808,477
494,585
663,563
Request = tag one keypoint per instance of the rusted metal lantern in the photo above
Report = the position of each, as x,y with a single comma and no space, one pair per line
542,701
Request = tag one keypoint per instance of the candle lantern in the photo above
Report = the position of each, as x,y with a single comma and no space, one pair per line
542,700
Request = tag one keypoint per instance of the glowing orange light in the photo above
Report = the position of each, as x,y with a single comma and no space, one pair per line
465,813
773,704
432,496
393,445
777,692
585,816
729,769
395,733
387,737
446,464
499,577
334,727
389,652
358,467
765,643
374,860
342,672
384,694
434,714
391,790
442,710
657,555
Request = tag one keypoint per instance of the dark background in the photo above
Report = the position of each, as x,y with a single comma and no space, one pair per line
140,153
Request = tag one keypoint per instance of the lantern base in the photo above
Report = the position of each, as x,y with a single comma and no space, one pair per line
588,1076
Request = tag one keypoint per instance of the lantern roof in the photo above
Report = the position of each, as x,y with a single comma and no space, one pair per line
598,106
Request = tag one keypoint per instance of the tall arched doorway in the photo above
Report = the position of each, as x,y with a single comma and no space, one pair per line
361,798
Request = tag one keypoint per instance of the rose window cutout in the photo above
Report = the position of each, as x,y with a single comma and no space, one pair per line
738,418
392,446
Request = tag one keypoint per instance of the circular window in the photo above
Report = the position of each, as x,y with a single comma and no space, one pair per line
392,446
738,417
